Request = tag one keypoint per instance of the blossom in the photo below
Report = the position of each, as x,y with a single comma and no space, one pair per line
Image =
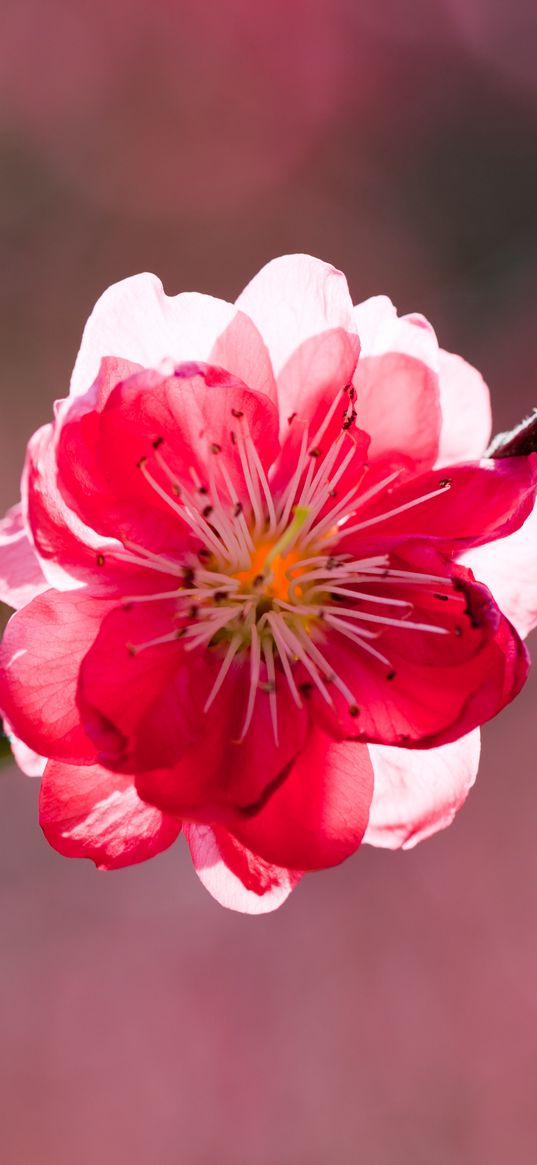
253,524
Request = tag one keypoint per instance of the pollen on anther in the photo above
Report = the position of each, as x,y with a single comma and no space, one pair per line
314,452
237,413
215,448
237,510
207,511
445,482
141,462
354,710
441,598
100,560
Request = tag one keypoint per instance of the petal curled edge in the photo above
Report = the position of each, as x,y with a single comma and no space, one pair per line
40,657
509,569
136,320
294,298
466,412
21,577
29,762
93,813
235,877
318,815
418,793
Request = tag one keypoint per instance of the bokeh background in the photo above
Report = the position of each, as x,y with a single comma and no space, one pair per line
388,1013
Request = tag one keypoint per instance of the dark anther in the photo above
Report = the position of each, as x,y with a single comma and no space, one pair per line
188,576
291,418
390,675
176,489
141,462
157,442
332,493
180,633
458,631
207,511
442,598
337,598
331,563
445,482
100,560
237,510
193,612
237,413
203,489
204,554
233,437
215,448
221,595
314,453
354,710
306,689
258,580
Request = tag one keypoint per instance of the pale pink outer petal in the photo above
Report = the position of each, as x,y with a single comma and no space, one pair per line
396,381
418,793
29,762
21,577
381,331
466,412
509,569
136,320
274,883
294,298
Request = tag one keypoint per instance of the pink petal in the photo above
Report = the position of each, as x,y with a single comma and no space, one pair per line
433,687
40,657
194,420
418,793
471,504
145,712
92,813
317,816
235,877
294,298
397,385
67,548
509,569
29,762
134,319
465,408
21,577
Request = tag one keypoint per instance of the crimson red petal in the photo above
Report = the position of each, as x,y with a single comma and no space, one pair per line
93,813
40,657
318,815
237,878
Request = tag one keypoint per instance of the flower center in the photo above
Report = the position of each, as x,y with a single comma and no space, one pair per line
265,589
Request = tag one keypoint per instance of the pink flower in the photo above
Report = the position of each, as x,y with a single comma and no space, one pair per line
255,523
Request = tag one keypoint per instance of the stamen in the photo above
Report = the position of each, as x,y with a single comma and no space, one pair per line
274,622
350,633
392,513
224,668
290,492
271,675
295,647
255,665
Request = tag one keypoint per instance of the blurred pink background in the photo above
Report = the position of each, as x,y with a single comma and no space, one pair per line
388,1014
